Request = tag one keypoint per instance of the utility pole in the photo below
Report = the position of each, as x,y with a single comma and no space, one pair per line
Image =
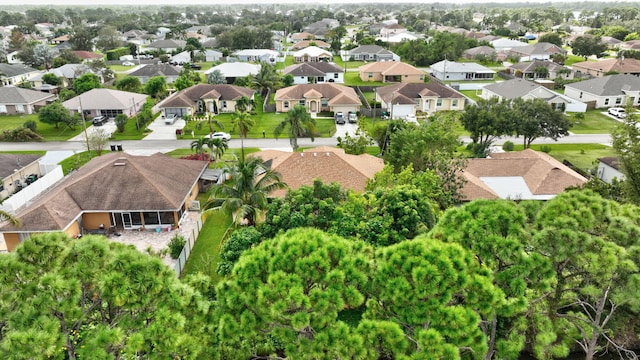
84,123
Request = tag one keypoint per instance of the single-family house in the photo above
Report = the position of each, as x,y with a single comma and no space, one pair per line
205,98
16,171
15,100
399,37
446,70
301,36
232,71
629,45
529,90
169,45
320,28
212,55
210,43
106,102
609,168
328,164
392,29
60,39
318,97
181,58
540,69
372,53
116,190
390,71
146,72
87,56
611,42
480,53
537,51
504,44
306,43
607,91
602,67
517,175
312,54
405,99
14,74
315,72
66,73
257,55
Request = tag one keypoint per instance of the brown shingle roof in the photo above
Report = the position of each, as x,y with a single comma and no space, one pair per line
410,91
113,182
542,174
342,94
628,65
187,97
306,43
326,163
10,162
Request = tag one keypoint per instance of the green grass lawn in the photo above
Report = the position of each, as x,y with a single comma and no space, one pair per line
130,132
350,64
75,161
471,94
48,131
572,59
264,121
594,122
353,78
117,68
206,252
583,156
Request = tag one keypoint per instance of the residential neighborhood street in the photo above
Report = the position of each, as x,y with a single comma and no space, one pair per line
149,146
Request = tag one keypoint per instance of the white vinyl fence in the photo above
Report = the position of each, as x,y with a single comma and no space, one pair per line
188,246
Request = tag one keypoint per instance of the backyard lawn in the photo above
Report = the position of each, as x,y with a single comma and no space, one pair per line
353,78
206,252
583,156
471,94
594,122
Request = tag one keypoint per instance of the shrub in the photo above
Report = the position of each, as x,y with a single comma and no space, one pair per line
31,125
545,148
22,134
507,146
175,246
203,157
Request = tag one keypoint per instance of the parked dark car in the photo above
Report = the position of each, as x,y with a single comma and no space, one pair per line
196,66
99,120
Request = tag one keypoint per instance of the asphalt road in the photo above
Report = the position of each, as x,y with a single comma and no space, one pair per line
282,143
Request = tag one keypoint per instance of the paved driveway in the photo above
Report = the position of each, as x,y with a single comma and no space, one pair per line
109,128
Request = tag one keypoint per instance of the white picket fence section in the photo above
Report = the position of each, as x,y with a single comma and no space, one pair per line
188,246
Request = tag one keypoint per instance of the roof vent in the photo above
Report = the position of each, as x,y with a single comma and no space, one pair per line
315,154
119,164
301,154
328,153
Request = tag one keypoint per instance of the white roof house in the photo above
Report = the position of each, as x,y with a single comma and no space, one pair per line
235,69
451,70
257,55
399,37
312,54
504,44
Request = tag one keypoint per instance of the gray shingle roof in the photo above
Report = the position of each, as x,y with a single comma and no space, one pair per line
9,162
98,99
370,49
530,66
16,95
156,70
10,70
513,88
608,85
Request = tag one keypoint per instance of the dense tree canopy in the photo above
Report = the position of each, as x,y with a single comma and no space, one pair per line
90,298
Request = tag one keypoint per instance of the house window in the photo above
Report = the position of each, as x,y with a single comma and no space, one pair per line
285,104
606,101
320,79
224,104
19,108
618,101
324,102
421,77
301,102
580,94
454,103
335,75
370,75
406,76
439,102
3,108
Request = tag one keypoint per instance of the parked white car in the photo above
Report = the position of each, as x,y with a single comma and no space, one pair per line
219,135
128,63
411,118
617,112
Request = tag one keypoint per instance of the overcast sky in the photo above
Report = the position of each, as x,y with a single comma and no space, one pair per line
226,2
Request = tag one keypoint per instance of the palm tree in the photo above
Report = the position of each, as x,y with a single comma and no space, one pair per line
217,147
244,104
243,122
246,196
216,77
198,145
5,216
266,79
212,122
299,122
